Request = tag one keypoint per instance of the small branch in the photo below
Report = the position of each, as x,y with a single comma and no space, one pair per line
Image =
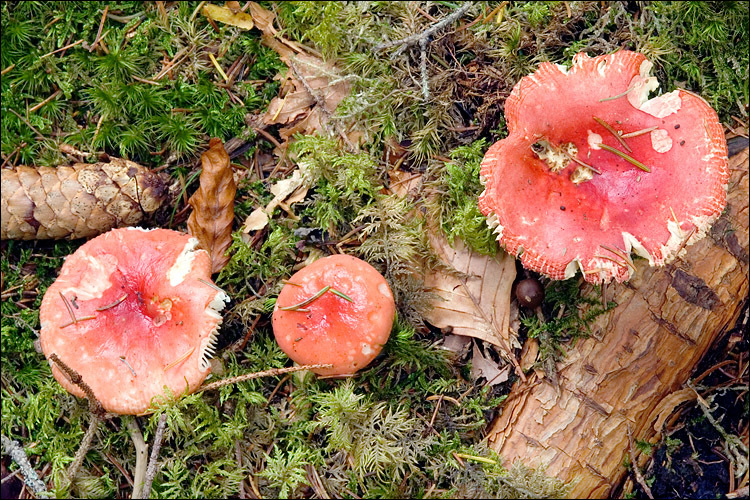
423,39
61,49
155,447
55,94
268,373
99,32
636,470
141,457
423,68
16,452
417,37
84,447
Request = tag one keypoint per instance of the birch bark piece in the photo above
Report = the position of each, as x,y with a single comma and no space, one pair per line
630,373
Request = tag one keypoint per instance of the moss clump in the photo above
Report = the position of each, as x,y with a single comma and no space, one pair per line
455,204
105,99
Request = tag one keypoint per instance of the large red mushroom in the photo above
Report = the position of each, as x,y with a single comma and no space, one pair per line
133,311
592,169
339,310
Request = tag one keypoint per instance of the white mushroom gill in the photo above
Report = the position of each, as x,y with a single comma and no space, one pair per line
208,344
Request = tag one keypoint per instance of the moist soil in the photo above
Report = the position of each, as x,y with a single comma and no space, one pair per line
691,460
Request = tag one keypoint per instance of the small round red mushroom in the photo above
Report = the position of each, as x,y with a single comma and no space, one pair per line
569,189
347,322
133,311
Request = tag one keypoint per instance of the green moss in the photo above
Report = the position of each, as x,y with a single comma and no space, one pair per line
105,104
455,206
570,312
383,433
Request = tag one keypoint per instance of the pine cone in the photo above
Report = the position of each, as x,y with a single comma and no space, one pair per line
77,201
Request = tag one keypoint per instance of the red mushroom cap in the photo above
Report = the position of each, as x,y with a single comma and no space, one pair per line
557,214
144,319
332,329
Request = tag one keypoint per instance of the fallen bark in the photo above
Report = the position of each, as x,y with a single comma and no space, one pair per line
630,375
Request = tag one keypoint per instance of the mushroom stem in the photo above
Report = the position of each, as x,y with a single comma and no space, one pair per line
625,157
141,456
614,132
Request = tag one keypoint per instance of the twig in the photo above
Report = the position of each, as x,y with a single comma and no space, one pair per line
61,49
10,156
412,39
141,457
736,450
739,493
636,470
84,447
321,103
423,39
55,94
423,68
315,483
268,373
155,447
99,32
625,157
16,452
26,122
313,93
614,132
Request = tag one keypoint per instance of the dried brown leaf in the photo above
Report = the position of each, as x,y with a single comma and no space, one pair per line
213,205
475,299
483,366
77,201
308,107
286,191
226,16
263,18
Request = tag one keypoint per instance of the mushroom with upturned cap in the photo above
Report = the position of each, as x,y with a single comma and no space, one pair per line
337,310
592,169
133,311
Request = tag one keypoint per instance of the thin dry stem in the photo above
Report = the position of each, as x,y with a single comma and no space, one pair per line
636,469
88,438
155,447
267,373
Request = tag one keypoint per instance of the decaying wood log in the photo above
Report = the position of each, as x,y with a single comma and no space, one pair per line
629,375
77,201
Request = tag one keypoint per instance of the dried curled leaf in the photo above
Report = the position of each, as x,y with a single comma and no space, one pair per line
77,201
213,205
228,16
474,301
